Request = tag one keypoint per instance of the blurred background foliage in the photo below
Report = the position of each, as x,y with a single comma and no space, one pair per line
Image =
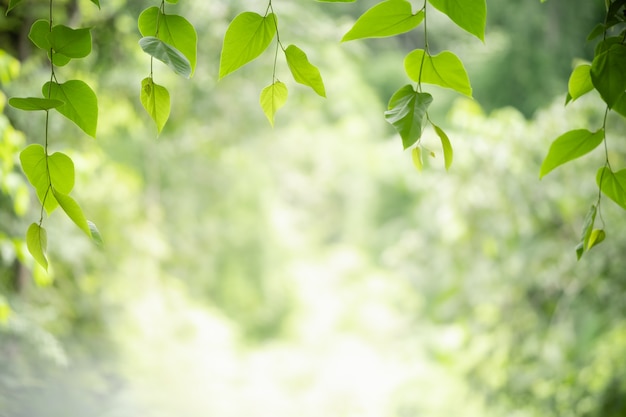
308,269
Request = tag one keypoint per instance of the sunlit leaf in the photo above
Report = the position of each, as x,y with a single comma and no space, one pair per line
416,156
167,54
444,69
569,146
73,211
303,71
156,100
579,82
608,73
247,36
80,103
72,43
613,185
389,18
38,34
448,153
174,30
37,243
273,97
470,15
406,111
34,103
597,236
172,1
95,233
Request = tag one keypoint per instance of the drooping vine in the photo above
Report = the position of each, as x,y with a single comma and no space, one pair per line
52,175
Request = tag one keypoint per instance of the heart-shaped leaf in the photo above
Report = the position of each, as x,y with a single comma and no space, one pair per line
80,103
389,18
406,111
613,185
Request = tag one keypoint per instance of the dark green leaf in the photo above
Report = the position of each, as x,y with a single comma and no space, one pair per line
597,31
73,211
38,34
96,2
12,4
406,111
613,185
579,82
620,105
444,69
34,103
470,15
174,30
605,44
156,100
389,18
448,154
247,36
608,73
80,103
303,71
37,243
273,97
569,146
72,43
167,54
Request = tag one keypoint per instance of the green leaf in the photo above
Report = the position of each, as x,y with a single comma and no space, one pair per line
174,30
597,236
273,97
406,111
597,31
167,54
59,59
96,2
172,1
72,43
470,15
37,243
80,103
73,211
620,105
336,1
247,36
303,71
389,18
12,4
95,233
605,44
569,146
608,73
416,156
613,185
38,34
585,233
579,82
444,69
34,103
156,100
448,154
58,173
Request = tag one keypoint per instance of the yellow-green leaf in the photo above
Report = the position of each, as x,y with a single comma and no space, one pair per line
156,100
579,82
448,153
273,97
389,18
470,15
303,71
444,69
37,243
569,146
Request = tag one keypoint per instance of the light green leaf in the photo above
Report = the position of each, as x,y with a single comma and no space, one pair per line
59,59
174,30
34,103
336,1
247,36
303,71
37,244
448,153
72,43
569,146
95,233
273,97
597,236
73,211
416,156
579,82
172,1
613,185
38,34
444,69
80,103
156,100
608,73
470,15
406,111
389,18
167,54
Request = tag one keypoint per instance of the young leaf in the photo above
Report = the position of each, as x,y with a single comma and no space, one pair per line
569,146
586,231
156,100
72,43
579,82
73,211
38,34
406,111
80,103
247,36
34,103
448,154
416,156
596,237
613,185
273,97
444,69
608,73
389,18
303,71
167,54
37,243
470,15
95,233
12,4
174,30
